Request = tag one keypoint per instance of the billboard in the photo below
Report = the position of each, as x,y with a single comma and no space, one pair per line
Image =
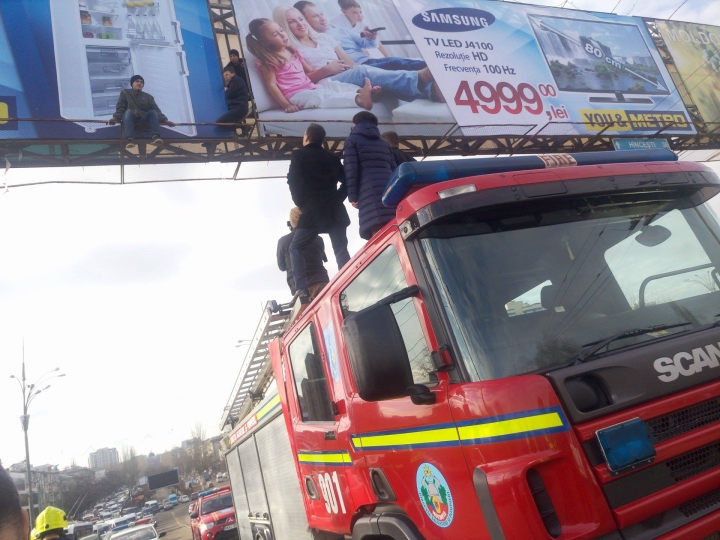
163,479
514,66
695,50
505,63
64,59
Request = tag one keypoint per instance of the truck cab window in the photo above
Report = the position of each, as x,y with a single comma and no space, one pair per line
673,268
310,381
380,279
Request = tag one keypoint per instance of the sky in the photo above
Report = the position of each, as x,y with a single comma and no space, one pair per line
139,294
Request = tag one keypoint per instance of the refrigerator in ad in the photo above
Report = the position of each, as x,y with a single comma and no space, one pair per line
100,44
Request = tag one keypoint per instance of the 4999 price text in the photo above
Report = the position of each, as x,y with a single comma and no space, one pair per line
492,99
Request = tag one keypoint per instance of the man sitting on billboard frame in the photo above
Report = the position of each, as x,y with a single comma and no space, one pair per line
137,107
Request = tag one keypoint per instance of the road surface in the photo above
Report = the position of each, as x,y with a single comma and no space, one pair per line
175,523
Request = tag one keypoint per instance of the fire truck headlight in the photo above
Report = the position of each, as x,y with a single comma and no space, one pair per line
626,445
207,526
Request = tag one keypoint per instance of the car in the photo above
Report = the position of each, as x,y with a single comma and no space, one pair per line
184,499
143,532
167,505
213,517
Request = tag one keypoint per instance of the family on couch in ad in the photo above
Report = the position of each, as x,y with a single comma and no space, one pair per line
306,59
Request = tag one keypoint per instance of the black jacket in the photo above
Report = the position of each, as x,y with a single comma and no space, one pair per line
314,256
236,94
239,70
137,101
401,157
313,180
369,162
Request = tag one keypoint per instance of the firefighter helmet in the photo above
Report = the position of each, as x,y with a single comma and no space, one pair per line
50,519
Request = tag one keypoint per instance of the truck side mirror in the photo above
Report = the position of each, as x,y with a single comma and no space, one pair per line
194,515
378,358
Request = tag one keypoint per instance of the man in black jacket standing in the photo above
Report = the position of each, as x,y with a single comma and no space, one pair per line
236,97
313,180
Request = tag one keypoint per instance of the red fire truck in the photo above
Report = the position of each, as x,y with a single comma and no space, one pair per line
530,350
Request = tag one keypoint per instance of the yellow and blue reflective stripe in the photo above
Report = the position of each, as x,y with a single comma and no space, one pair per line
269,407
506,427
408,439
336,458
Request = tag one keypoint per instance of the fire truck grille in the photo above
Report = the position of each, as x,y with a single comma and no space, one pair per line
685,420
700,504
695,462
220,521
713,536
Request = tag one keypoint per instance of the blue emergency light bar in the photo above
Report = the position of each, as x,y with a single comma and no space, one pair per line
422,173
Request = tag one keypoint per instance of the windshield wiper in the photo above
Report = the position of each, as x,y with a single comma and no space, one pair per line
591,349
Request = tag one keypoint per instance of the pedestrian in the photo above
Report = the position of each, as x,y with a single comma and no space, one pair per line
369,162
313,180
14,522
236,97
392,139
135,106
317,276
237,65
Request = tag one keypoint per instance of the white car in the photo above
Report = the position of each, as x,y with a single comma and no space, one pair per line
141,532
184,499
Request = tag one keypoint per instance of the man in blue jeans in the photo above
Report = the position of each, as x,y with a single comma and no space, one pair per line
313,180
135,106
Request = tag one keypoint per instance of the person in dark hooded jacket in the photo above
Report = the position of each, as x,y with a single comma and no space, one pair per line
368,163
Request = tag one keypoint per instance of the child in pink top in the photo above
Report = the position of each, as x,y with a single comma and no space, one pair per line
286,74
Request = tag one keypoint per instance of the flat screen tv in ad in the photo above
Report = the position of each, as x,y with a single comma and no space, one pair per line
598,57
163,479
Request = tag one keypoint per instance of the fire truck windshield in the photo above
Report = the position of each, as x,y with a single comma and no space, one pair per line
528,286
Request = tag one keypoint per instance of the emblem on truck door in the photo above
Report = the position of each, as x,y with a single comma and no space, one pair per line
687,363
435,496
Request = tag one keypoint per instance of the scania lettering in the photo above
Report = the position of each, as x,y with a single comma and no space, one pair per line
529,350
695,361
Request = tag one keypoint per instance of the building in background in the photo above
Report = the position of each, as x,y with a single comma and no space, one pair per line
48,486
104,458
213,447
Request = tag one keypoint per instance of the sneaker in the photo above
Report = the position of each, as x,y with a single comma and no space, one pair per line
156,140
129,143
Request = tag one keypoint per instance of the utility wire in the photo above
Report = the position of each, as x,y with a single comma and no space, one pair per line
676,10
618,3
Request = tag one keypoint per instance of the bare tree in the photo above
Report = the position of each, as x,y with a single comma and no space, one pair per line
129,465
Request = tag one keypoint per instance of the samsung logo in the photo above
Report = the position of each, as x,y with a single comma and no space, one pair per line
687,363
453,19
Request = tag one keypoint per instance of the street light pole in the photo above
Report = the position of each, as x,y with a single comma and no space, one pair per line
29,392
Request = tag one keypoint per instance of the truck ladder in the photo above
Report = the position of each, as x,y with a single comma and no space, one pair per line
256,371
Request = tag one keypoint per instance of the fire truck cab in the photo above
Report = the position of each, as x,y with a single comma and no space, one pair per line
531,350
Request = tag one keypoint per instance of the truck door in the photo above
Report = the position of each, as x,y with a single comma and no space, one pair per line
415,447
321,457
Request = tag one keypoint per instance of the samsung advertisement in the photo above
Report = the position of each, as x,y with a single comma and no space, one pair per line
70,59
513,68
